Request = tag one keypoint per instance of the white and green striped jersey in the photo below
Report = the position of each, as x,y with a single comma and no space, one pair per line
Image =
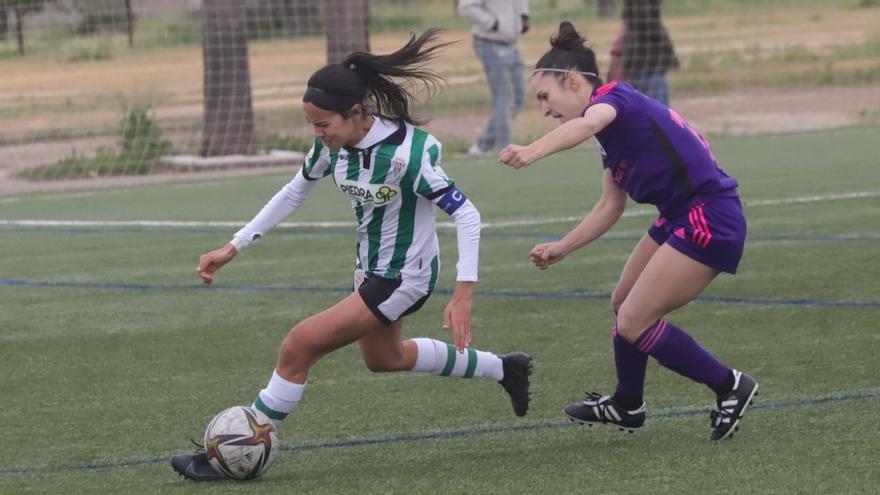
391,183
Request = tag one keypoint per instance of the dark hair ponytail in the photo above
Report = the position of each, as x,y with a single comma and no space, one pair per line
567,38
568,51
363,76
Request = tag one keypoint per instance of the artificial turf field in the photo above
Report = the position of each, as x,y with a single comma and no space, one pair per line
112,355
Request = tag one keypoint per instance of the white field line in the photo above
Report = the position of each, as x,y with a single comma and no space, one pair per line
47,197
636,212
811,199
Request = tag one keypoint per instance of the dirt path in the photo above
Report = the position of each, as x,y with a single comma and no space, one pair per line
758,111
770,112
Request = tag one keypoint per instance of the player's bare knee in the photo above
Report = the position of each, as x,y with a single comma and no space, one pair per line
631,324
617,298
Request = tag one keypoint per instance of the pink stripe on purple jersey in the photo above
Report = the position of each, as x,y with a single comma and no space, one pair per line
719,246
701,234
695,231
702,218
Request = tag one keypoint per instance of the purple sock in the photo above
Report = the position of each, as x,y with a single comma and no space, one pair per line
631,365
673,348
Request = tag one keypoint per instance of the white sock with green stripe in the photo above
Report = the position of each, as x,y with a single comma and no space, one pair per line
444,359
279,398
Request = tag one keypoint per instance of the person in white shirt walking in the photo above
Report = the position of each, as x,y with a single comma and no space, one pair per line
497,27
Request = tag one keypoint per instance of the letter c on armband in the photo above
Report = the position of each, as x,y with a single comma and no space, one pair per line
451,200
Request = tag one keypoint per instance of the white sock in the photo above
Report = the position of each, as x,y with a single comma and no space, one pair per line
444,359
279,398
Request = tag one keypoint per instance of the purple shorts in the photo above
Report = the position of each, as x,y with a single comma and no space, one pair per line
712,232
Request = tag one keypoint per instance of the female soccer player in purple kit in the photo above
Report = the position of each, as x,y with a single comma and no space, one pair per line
651,154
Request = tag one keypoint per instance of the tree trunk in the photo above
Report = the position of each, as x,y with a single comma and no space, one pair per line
129,19
604,8
347,27
229,115
19,30
4,24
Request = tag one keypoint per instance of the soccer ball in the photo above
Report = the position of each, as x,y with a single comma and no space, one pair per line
241,443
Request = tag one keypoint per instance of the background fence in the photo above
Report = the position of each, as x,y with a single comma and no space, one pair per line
91,88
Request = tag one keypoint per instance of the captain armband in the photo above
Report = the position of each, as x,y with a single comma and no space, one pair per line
451,200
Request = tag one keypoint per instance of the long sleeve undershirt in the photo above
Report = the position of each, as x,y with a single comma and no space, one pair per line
467,225
277,209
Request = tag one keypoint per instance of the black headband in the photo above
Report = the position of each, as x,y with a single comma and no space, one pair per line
335,102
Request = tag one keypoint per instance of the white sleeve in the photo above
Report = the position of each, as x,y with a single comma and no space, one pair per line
277,209
467,225
433,183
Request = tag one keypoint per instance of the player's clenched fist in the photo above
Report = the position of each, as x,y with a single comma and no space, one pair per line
544,255
517,156
214,260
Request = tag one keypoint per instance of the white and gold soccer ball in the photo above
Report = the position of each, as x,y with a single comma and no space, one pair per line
241,443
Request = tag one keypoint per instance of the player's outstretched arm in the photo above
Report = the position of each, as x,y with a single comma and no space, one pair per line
567,135
214,260
599,220
285,201
457,315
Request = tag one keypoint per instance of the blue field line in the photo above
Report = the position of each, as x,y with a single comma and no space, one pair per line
543,236
452,434
552,295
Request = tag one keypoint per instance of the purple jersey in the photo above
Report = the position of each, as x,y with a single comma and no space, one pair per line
655,155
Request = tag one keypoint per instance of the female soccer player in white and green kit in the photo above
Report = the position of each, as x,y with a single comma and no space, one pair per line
367,142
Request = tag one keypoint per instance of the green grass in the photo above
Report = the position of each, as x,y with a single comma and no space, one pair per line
140,142
708,70
102,382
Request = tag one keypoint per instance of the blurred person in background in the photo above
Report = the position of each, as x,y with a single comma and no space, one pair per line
643,53
497,26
